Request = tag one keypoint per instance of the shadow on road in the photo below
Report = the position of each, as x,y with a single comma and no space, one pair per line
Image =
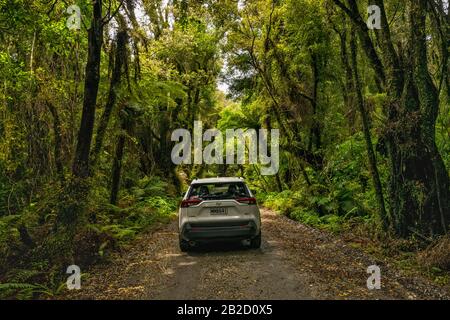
219,247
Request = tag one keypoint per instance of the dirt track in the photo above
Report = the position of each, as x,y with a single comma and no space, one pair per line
294,262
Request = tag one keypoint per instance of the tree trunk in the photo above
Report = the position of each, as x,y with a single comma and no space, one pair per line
80,167
119,61
419,184
58,143
428,186
348,85
116,170
367,136
315,135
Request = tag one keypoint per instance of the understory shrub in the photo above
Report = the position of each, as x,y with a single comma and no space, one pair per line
34,253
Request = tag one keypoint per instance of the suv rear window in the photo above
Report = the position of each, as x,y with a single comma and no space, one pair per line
212,191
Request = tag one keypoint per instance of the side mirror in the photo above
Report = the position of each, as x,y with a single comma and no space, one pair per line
253,192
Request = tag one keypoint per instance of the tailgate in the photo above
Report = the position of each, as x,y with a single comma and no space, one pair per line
216,208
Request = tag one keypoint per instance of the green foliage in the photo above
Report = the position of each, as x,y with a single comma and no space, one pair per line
144,205
442,133
149,187
104,228
20,290
349,177
290,203
9,237
346,196
284,201
25,291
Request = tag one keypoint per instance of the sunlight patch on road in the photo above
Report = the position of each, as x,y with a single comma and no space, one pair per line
187,263
168,271
172,255
131,289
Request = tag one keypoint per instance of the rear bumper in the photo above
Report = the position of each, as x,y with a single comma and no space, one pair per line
219,231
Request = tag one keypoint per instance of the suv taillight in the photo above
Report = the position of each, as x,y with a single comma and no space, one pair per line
189,203
246,200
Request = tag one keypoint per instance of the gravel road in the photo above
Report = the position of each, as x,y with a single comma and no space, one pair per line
294,262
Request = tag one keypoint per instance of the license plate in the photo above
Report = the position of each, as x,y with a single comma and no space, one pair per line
218,211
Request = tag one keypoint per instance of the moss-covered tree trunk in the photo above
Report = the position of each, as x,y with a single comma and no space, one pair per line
419,183
419,186
419,194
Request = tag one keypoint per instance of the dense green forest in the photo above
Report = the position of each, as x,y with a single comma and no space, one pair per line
88,106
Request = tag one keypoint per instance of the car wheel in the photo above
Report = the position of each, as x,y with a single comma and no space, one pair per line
255,243
184,245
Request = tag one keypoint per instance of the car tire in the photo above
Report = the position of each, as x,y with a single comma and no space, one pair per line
184,245
255,243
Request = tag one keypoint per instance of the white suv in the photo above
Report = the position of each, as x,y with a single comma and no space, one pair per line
219,209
